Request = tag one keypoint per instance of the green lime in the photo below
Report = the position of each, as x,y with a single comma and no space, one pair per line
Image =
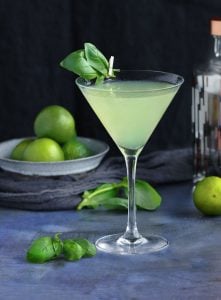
18,151
43,150
55,122
207,196
74,149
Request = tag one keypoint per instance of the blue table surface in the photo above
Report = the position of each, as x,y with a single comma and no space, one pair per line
190,268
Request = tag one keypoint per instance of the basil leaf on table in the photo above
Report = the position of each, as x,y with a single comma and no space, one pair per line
109,196
146,196
44,249
89,248
115,203
72,250
47,248
95,198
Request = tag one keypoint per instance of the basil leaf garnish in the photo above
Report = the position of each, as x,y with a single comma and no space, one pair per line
96,59
89,63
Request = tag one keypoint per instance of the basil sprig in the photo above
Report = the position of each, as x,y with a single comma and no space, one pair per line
114,196
89,63
48,248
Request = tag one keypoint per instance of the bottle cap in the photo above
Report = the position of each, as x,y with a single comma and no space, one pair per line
216,27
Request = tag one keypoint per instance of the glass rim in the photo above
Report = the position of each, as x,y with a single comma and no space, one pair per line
94,88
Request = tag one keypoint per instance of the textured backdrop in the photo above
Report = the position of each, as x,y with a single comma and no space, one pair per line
169,35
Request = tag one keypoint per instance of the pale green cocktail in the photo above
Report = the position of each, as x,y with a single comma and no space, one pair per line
130,106
129,115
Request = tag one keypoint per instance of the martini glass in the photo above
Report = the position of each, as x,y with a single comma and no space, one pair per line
130,107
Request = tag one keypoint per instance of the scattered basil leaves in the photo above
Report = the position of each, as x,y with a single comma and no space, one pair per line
47,248
114,196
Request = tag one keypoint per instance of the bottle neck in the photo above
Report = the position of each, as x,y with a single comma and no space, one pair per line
217,46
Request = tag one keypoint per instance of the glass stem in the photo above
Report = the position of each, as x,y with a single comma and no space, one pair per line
131,233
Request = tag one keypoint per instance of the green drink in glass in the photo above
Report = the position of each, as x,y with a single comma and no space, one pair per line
130,106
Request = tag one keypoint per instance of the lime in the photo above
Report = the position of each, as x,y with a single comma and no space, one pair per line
18,151
74,149
207,196
55,122
43,150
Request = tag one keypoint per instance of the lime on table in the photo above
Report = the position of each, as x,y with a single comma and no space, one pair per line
18,151
55,122
43,150
74,149
207,196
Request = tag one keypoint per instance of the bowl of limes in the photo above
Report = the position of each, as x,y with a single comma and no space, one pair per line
55,150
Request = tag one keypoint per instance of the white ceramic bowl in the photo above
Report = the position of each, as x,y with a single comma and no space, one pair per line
67,167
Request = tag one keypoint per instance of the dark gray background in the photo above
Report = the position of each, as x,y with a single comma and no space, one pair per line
168,35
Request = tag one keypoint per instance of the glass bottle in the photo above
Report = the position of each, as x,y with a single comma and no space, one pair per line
206,111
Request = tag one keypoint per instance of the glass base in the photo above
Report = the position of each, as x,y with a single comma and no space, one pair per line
117,244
